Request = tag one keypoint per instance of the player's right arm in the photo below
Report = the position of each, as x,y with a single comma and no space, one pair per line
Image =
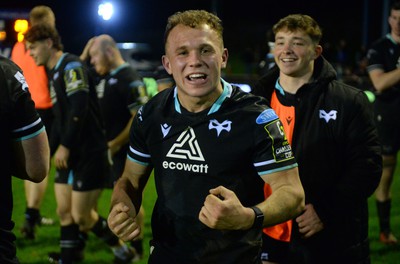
32,157
384,80
126,200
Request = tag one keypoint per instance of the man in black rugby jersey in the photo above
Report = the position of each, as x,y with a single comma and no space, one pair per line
24,148
212,148
384,72
121,92
78,145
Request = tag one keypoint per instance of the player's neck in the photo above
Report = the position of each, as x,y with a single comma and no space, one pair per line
292,84
117,62
395,37
54,57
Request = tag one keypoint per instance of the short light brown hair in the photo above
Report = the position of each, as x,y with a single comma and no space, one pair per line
194,19
296,22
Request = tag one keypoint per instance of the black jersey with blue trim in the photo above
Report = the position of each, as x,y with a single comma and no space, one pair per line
231,144
119,93
384,54
77,119
18,121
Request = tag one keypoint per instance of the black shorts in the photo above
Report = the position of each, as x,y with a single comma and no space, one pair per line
89,174
387,121
274,250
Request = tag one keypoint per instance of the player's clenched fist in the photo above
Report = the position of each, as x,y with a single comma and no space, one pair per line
122,222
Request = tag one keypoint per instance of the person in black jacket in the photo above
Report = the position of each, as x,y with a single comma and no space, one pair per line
334,140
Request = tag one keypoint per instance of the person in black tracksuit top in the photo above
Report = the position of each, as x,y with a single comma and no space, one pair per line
334,141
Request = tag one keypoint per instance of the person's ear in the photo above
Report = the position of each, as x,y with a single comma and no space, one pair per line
166,64
49,43
317,51
225,56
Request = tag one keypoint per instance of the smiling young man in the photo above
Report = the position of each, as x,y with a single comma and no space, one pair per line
332,133
212,147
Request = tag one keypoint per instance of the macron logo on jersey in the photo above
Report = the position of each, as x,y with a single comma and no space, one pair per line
165,128
55,77
112,81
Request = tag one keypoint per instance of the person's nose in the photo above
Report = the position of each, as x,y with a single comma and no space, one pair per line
195,59
287,50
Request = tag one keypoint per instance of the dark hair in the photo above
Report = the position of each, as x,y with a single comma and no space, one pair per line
395,5
44,31
300,22
194,19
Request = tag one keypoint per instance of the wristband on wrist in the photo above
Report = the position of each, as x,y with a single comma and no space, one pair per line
259,218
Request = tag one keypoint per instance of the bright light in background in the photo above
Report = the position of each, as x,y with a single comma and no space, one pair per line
21,26
105,10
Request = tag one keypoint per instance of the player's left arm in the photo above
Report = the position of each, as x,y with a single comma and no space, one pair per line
287,198
223,210
123,137
77,90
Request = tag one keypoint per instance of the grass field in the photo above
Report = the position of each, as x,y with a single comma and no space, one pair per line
97,252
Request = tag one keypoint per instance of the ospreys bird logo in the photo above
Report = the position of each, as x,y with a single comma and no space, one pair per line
214,124
327,116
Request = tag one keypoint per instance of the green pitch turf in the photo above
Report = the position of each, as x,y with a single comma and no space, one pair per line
35,252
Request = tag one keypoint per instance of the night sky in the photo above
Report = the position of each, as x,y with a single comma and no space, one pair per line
245,24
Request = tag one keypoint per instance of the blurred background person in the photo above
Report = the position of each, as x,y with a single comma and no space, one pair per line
121,92
384,71
79,146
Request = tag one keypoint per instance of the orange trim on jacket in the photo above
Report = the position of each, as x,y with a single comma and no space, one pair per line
35,76
286,114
